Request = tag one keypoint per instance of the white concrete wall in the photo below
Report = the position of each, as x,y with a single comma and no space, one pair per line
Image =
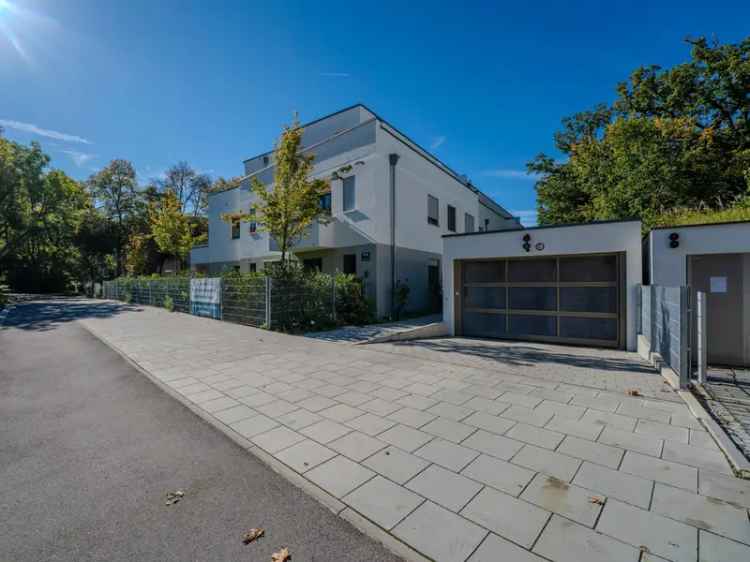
668,266
416,178
569,240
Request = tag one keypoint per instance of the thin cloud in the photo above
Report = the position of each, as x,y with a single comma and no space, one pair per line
335,74
79,158
48,133
437,142
511,174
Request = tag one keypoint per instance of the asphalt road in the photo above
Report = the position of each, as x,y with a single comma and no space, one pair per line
89,447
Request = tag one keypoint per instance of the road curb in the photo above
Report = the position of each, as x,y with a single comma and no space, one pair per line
333,504
737,460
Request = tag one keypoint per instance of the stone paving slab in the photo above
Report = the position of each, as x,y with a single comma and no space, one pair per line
462,449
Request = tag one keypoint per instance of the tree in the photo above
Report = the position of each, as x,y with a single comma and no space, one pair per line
673,138
40,213
170,228
293,203
114,187
190,187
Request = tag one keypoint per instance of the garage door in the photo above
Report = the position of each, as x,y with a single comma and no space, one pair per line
564,299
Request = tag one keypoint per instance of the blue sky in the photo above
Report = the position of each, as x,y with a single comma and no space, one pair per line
483,84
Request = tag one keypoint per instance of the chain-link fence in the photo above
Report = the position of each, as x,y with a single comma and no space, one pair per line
173,292
307,304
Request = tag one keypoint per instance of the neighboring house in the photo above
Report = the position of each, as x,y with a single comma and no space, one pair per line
390,204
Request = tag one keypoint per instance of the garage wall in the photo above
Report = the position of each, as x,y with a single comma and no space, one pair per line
668,266
561,240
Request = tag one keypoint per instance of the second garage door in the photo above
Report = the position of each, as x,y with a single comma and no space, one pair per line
565,299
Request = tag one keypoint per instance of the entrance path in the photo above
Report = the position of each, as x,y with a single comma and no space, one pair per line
359,334
461,449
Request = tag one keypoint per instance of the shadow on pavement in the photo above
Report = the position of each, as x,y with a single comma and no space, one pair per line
42,313
521,355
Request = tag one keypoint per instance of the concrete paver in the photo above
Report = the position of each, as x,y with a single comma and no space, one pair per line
494,548
455,541
388,428
718,549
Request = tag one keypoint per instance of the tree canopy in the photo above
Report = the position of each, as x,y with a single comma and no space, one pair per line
673,138
292,204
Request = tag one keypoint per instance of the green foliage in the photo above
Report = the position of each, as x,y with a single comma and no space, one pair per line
170,228
739,211
352,307
293,204
675,138
169,303
40,213
4,289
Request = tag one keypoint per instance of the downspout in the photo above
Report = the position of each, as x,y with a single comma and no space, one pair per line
393,160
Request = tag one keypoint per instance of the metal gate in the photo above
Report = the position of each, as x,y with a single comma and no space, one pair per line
563,299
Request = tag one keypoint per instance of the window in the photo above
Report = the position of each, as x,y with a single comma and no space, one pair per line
313,264
486,224
350,200
236,268
265,160
350,264
235,229
325,202
433,210
451,218
253,267
468,223
253,224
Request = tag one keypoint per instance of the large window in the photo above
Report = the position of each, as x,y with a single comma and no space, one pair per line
350,194
235,229
253,224
468,222
433,210
451,218
325,202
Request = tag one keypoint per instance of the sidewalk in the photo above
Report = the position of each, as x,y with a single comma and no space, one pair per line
458,462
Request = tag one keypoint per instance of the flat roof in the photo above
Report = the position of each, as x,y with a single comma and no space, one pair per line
419,149
701,224
526,228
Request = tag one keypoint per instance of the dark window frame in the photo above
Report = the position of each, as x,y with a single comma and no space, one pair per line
469,220
235,231
433,220
451,220
352,185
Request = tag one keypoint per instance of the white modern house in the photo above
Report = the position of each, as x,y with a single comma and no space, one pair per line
391,202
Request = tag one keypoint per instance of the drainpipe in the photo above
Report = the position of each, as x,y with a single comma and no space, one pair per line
393,160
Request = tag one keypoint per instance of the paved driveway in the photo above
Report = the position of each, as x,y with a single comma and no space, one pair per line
89,447
463,449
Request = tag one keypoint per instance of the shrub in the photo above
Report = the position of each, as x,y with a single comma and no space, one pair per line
169,303
352,307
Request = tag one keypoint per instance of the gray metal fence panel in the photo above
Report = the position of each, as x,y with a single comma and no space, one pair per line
244,300
665,324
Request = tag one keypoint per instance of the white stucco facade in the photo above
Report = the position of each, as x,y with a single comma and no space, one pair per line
355,143
594,238
668,266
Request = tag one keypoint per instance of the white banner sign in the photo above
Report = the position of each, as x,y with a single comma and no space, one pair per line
205,297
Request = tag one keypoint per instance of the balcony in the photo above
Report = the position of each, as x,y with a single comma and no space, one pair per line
335,234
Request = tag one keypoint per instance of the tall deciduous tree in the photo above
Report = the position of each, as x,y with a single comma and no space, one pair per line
114,187
292,204
170,228
190,187
678,137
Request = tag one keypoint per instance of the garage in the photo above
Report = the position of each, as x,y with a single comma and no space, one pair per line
565,299
571,284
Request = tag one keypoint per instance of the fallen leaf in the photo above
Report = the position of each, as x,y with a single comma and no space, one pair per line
634,392
253,534
281,556
174,497
597,500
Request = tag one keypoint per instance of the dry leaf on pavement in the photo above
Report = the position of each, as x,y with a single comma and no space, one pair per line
634,392
281,556
174,497
597,500
253,534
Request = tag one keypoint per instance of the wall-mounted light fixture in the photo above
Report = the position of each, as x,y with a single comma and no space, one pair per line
526,242
674,240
